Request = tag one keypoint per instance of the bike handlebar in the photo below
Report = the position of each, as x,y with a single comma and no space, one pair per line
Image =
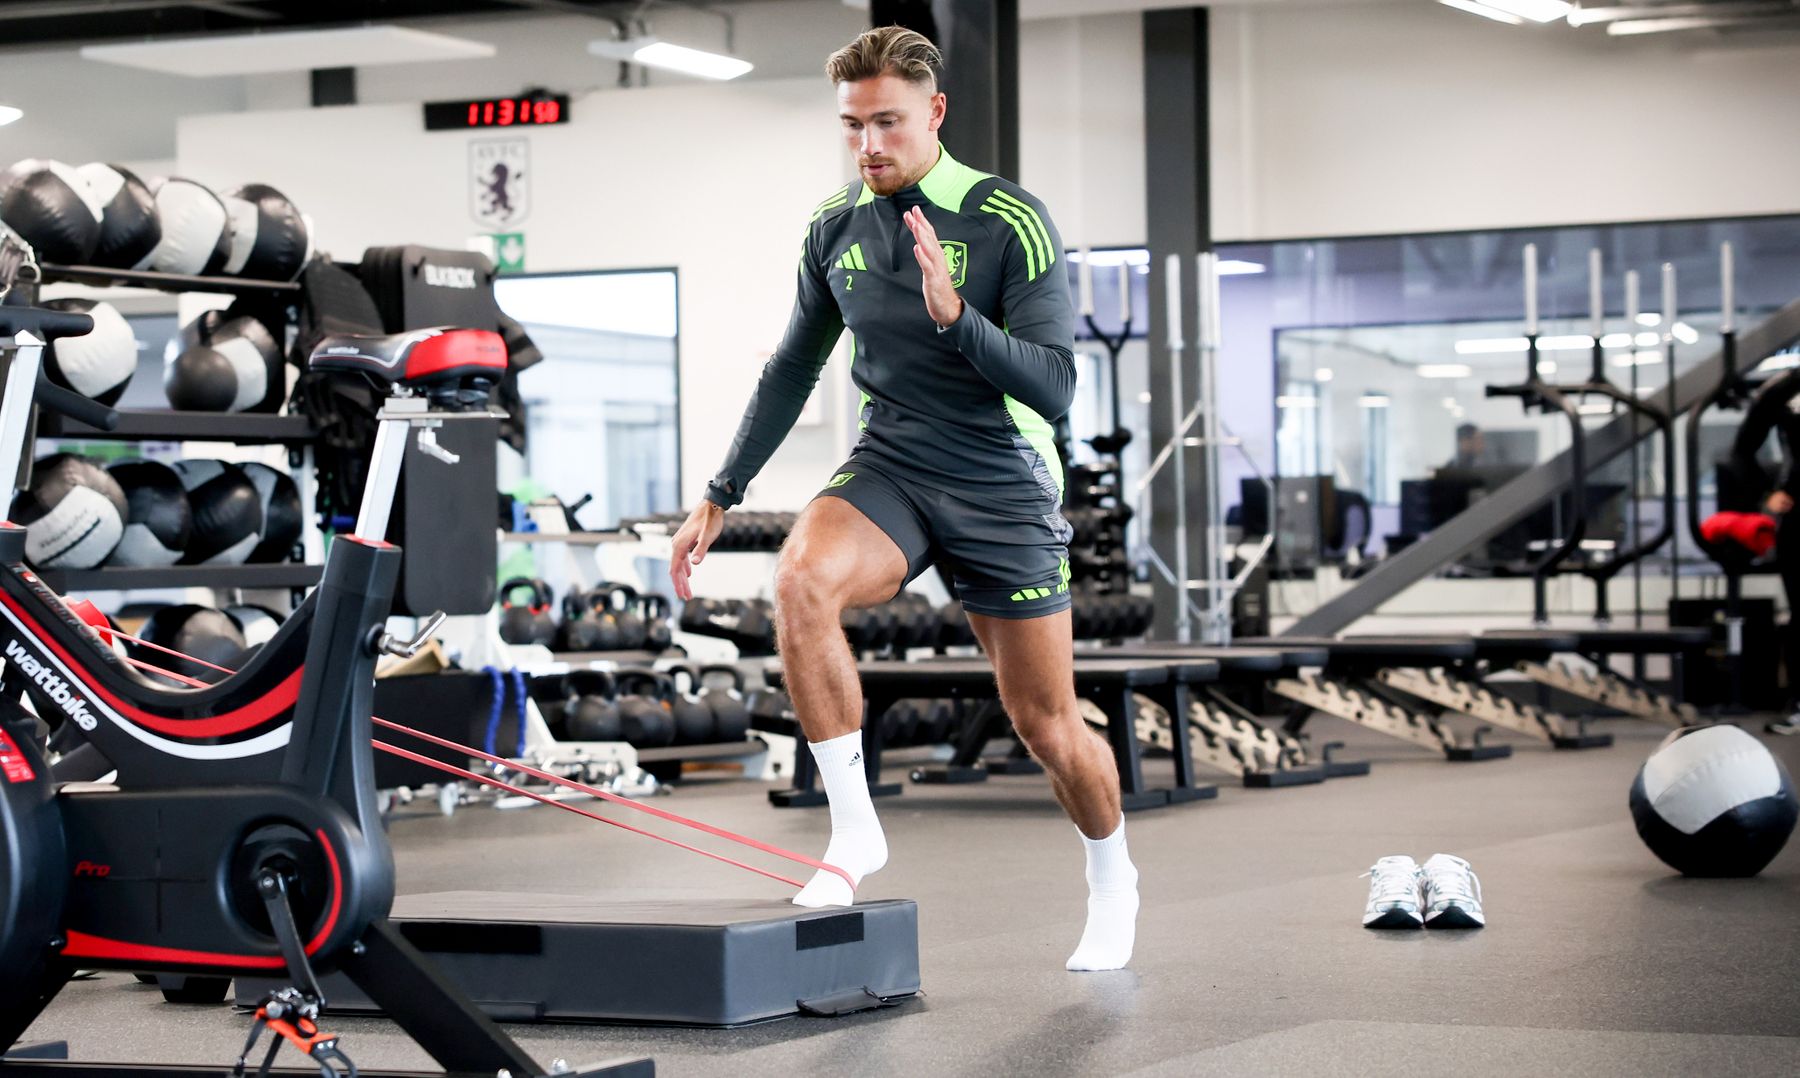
75,406
44,324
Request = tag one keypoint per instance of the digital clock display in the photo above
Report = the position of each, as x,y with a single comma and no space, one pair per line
526,110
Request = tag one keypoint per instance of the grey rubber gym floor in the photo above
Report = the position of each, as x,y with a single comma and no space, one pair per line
1250,955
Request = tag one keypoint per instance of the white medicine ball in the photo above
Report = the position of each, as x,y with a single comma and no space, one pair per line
129,227
99,363
196,229
1713,801
73,513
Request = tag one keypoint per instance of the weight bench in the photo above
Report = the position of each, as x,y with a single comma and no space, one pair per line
1228,736
1350,687
1608,689
1459,687
1111,684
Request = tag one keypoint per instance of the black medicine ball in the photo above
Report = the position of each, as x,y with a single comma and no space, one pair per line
196,229
73,513
99,363
1713,801
282,519
269,238
257,623
158,522
227,512
225,365
129,226
52,208
201,632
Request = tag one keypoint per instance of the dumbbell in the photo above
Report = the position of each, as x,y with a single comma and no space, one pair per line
731,717
529,623
645,701
953,626
694,722
937,724
1139,613
919,622
589,713
900,724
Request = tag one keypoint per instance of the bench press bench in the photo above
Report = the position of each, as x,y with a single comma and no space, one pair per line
1112,684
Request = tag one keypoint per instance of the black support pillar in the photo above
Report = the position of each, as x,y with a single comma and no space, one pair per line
1178,212
980,43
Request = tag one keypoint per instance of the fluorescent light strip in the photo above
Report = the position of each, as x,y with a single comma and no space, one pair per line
1484,11
706,65
1684,333
8,114
1444,370
1324,374
291,50
1638,359
1373,400
1535,10
1296,402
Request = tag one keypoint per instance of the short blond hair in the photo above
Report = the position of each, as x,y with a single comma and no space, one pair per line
888,50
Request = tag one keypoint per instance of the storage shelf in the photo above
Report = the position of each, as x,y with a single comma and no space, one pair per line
712,750
569,538
102,276
183,576
146,425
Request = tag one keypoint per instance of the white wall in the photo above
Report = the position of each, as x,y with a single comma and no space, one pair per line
722,198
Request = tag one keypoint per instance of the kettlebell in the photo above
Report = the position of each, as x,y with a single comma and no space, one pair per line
531,623
578,631
646,717
620,600
589,713
731,716
657,635
694,723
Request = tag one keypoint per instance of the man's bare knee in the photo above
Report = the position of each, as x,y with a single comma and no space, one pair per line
1055,739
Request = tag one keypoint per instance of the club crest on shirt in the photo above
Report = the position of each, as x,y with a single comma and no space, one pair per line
956,257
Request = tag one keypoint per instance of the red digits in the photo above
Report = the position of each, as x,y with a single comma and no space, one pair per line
506,112
474,113
487,113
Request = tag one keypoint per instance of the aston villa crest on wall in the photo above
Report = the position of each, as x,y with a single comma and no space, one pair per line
499,181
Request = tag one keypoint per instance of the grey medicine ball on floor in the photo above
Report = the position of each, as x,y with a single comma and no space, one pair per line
225,365
73,513
158,522
1713,801
99,363
129,226
227,512
282,518
196,229
269,238
52,208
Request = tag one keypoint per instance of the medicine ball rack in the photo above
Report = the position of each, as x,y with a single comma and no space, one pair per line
239,428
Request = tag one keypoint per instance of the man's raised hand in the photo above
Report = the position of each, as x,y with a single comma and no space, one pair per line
941,300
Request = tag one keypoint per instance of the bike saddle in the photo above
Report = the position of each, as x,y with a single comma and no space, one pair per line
420,357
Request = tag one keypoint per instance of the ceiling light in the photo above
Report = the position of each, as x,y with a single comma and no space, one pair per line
292,50
1235,267
1596,408
1323,374
1650,318
1373,400
1296,402
1484,11
8,114
1685,333
1445,370
1669,25
652,52
1481,346
1637,359
1535,10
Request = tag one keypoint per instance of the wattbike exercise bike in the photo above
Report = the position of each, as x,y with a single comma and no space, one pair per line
240,836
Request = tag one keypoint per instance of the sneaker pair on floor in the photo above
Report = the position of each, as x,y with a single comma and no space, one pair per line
1441,893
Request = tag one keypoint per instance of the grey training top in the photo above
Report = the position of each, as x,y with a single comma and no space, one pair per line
965,409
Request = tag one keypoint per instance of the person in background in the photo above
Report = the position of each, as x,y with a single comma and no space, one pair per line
1471,447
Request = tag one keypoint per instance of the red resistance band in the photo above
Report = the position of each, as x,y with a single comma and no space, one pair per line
557,780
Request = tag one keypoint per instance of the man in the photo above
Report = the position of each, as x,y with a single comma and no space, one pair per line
1471,445
952,283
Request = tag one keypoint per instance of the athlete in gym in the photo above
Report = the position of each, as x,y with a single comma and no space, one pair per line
953,286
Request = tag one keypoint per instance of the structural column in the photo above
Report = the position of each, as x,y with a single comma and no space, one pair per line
1178,210
980,43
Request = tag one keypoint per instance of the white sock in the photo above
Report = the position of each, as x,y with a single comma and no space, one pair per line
857,844
1112,905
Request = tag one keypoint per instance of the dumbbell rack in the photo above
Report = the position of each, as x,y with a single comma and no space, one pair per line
297,433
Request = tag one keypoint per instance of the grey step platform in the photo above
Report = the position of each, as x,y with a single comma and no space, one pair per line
535,958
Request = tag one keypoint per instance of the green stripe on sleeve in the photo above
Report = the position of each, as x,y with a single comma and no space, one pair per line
1033,221
1026,240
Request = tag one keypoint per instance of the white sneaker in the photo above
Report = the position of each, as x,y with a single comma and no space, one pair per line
1788,726
1451,893
1394,895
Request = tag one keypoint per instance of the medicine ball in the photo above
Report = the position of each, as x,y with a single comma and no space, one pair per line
269,239
99,363
73,513
282,518
257,623
129,226
198,631
225,365
52,208
1713,801
196,230
227,512
158,522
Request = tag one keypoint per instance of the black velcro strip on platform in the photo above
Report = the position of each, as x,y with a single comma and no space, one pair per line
493,937
818,932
